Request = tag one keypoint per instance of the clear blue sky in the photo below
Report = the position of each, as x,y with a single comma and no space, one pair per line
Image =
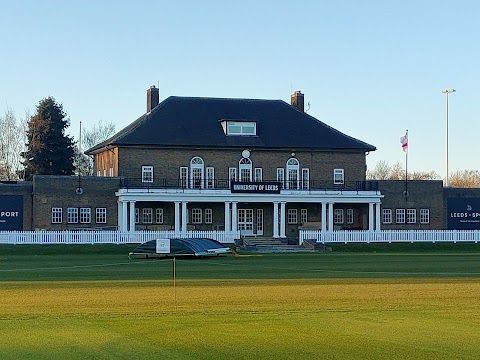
371,69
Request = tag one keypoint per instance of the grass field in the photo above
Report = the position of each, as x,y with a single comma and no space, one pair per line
92,302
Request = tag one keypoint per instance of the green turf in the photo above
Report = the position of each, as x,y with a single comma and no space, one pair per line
92,302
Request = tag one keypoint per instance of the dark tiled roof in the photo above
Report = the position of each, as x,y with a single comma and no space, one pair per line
189,121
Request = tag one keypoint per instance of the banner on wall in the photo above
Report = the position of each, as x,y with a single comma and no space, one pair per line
463,214
11,212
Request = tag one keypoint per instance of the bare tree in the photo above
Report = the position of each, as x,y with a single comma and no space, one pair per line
98,133
384,171
12,144
465,179
380,172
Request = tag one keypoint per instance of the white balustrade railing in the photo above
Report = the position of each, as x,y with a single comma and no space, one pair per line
390,236
108,237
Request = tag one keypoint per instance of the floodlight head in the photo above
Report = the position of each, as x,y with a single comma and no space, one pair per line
448,91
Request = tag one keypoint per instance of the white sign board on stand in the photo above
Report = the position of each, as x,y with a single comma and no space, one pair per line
163,246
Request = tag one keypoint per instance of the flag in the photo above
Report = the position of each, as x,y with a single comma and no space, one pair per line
404,142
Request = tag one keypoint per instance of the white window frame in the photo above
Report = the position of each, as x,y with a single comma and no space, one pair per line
147,216
387,216
147,174
72,215
232,174
183,176
424,216
411,216
197,173
57,215
248,128
305,178
101,215
303,216
85,216
400,216
350,217
196,216
281,176
245,169
159,215
210,183
208,216
338,216
293,173
292,216
258,174
338,176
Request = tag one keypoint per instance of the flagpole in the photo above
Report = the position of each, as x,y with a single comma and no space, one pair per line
406,169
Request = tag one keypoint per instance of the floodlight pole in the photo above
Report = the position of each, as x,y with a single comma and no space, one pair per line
446,92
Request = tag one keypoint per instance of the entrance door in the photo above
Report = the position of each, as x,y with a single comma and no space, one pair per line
260,222
245,221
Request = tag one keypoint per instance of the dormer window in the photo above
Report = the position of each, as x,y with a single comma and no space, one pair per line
239,128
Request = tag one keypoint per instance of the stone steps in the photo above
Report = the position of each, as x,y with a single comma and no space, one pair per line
269,245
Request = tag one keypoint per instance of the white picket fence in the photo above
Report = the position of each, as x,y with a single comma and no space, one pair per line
390,236
340,236
108,237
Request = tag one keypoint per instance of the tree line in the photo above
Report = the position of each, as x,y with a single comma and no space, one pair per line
462,178
39,145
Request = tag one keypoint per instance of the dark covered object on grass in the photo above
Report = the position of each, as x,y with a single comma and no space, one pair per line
180,247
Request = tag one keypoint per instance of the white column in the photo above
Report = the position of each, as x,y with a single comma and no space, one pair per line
124,216
330,217
184,217
370,216
275,219
132,216
282,219
228,224
234,216
377,217
177,217
119,215
324,217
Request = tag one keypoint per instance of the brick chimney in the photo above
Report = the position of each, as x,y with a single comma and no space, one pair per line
153,98
297,101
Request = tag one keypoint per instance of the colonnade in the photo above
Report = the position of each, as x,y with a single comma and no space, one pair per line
126,216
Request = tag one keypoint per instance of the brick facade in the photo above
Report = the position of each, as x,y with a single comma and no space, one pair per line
422,194
61,192
167,162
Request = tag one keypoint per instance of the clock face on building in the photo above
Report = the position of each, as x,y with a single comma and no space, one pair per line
246,153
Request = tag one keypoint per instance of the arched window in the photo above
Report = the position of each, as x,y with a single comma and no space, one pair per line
196,172
293,178
245,169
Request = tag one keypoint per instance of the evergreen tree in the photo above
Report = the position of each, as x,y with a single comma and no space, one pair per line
49,150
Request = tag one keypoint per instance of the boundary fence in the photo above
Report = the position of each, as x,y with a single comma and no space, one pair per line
390,236
108,237
138,237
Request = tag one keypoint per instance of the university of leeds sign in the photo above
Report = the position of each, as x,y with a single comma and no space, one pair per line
463,214
255,187
11,212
